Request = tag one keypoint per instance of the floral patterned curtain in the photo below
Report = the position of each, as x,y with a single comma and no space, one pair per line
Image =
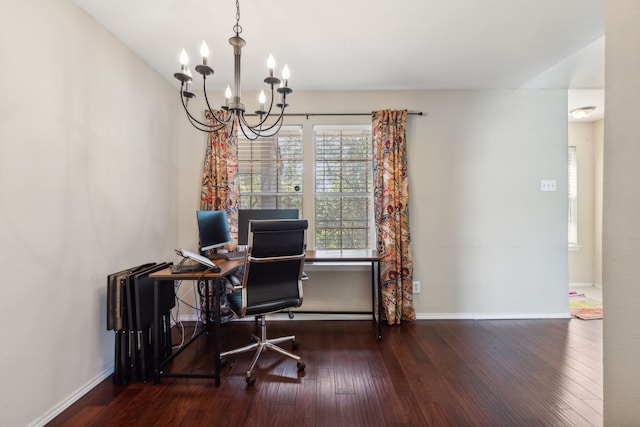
220,186
391,205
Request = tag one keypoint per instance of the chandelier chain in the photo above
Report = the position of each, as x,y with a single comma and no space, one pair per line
237,28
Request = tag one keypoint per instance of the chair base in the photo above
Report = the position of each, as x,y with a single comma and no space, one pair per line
263,343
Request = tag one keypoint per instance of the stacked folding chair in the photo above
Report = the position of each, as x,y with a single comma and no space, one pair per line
130,311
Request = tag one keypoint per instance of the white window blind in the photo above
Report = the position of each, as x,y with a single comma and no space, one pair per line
270,170
343,187
573,196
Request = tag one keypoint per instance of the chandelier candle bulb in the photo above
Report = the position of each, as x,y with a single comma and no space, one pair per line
204,51
184,60
227,95
262,99
285,75
271,65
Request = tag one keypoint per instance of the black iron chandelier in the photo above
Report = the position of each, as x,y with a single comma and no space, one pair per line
266,125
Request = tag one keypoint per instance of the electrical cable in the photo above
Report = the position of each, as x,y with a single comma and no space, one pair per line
176,315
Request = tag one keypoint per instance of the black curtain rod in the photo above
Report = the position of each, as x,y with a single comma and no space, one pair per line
307,115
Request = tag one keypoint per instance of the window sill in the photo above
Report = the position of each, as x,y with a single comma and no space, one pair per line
574,248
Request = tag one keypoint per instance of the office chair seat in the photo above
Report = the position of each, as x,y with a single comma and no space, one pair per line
235,303
271,282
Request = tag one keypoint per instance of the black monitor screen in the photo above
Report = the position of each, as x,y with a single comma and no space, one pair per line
213,229
246,215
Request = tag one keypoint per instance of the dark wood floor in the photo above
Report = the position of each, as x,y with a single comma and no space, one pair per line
423,373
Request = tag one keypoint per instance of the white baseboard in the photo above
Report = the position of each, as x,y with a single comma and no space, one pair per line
490,316
419,316
71,399
316,316
297,316
188,318
571,285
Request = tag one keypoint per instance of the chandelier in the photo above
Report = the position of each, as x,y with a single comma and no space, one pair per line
267,124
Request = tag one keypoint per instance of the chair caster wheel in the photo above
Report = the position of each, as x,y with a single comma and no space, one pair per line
295,344
223,362
251,381
301,365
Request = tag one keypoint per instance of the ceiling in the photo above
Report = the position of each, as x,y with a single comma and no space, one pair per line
376,44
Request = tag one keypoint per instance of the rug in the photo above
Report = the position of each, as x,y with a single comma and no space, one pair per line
584,308
587,313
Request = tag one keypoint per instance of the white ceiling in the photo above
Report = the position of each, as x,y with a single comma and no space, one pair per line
376,44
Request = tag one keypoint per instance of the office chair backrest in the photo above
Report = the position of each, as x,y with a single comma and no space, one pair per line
275,261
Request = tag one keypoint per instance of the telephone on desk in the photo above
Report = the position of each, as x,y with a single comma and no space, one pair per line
183,267
204,264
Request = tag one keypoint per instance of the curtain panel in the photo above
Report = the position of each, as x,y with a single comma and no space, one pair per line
391,207
220,185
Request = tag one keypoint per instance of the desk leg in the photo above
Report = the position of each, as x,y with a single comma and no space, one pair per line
217,288
214,285
379,298
374,292
156,333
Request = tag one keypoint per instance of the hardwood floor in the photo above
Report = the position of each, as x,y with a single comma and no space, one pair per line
423,373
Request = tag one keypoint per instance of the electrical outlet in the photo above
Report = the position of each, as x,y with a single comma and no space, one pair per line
416,287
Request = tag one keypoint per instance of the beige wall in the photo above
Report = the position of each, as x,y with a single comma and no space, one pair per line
87,188
621,222
487,242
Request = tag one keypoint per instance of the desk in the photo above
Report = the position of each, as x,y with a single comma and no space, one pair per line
228,267
356,255
211,279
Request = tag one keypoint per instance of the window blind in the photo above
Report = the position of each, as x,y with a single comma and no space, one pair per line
270,170
343,187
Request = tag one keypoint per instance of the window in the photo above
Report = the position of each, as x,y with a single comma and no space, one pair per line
343,187
339,181
573,197
270,170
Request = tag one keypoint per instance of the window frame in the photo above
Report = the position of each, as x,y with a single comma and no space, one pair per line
367,194
307,187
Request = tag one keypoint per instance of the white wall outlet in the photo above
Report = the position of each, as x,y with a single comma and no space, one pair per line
416,287
548,185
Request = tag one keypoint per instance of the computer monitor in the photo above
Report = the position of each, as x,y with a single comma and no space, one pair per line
246,215
213,229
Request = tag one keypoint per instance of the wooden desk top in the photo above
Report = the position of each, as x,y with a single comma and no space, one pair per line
342,255
226,267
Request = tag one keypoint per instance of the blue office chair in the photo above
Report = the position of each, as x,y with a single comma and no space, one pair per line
271,282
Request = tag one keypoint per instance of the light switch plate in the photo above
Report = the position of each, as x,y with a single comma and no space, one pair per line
548,185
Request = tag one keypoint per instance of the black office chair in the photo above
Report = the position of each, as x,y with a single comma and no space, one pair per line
271,282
